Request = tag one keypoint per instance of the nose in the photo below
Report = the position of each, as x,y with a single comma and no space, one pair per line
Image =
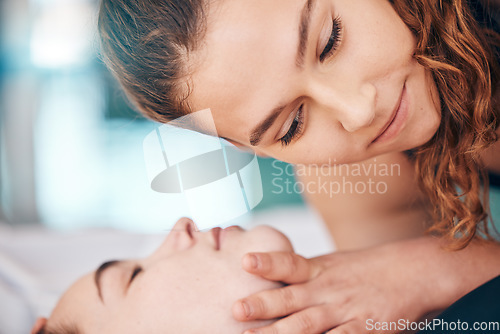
181,237
353,105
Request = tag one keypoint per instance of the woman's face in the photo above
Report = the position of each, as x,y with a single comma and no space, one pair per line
188,285
335,79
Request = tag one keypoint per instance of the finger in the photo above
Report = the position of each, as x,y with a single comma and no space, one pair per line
271,304
313,320
351,327
286,267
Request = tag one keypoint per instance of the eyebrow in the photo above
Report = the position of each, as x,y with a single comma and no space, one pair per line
258,132
98,275
305,21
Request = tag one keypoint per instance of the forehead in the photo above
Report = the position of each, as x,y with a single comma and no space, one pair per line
246,60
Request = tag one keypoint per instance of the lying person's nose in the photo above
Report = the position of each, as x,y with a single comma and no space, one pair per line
181,237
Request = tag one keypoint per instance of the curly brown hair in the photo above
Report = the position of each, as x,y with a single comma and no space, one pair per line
146,45
460,56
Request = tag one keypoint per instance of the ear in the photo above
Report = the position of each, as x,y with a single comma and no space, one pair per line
39,324
247,149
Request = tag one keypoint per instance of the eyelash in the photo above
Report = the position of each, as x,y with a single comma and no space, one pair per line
295,128
136,272
330,47
334,40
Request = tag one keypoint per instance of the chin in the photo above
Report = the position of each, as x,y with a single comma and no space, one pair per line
422,139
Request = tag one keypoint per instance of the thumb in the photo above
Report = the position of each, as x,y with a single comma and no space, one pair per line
286,267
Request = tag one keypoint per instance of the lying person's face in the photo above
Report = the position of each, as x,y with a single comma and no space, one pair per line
188,285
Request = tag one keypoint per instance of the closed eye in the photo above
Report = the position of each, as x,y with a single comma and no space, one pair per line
334,39
135,272
295,128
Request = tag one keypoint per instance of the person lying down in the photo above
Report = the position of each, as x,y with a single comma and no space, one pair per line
188,285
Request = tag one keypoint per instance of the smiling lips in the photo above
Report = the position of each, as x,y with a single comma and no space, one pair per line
396,121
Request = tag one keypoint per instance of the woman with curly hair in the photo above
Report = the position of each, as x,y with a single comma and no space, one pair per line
348,83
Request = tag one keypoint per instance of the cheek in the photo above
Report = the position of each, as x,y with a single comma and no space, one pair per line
197,296
427,97
376,34
433,93
431,116
169,297
425,112
185,282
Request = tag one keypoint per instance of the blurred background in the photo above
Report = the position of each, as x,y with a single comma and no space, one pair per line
70,145
74,189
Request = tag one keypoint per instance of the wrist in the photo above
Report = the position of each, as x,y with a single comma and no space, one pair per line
425,291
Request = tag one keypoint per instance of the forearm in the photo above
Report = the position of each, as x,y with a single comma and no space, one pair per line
444,276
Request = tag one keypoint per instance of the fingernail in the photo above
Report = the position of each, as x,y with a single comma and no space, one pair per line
247,309
254,262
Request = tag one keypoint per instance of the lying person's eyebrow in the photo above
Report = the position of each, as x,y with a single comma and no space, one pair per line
98,275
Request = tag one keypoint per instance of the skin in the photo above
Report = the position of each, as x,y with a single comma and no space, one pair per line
339,292
348,99
185,286
247,67
399,213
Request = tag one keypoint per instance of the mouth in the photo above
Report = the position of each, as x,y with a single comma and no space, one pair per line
216,235
395,123
219,234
